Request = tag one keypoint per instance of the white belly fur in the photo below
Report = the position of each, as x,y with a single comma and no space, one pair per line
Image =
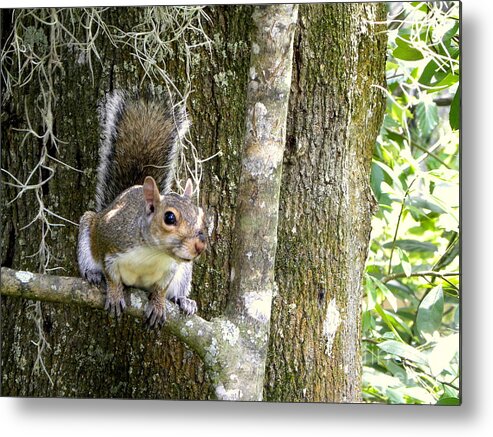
145,267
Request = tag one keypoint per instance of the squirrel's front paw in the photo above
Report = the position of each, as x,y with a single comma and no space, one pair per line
94,277
188,306
115,301
155,313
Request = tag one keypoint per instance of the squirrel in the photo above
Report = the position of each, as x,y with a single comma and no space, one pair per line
141,234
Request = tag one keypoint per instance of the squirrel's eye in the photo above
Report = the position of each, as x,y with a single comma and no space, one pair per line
169,218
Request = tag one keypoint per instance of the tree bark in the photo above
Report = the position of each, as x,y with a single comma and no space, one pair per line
193,331
324,215
326,204
255,239
90,354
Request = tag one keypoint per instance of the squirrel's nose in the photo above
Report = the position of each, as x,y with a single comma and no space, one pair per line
199,247
200,243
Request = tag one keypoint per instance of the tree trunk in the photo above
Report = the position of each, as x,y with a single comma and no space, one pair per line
324,212
326,204
92,355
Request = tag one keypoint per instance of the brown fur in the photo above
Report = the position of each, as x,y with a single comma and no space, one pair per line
126,241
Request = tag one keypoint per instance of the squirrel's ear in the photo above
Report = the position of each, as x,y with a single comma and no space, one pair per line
188,188
151,194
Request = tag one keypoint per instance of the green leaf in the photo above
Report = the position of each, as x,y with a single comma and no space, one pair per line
445,81
404,292
387,293
371,292
430,313
407,54
437,78
454,115
426,117
391,173
391,66
412,245
448,42
423,203
406,51
381,312
397,137
377,177
403,350
457,318
453,250
428,73
368,321
451,32
448,401
406,265
389,123
397,322
449,392
420,6
418,215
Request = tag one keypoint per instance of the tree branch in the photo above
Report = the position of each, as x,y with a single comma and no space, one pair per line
388,278
257,210
194,331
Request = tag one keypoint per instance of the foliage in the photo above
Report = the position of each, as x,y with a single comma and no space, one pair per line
411,310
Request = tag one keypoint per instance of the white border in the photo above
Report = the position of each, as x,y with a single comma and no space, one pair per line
59,417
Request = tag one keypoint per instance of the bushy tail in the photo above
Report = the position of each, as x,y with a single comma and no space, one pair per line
141,137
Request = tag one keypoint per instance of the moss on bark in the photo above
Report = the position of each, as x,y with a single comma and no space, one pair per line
326,204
